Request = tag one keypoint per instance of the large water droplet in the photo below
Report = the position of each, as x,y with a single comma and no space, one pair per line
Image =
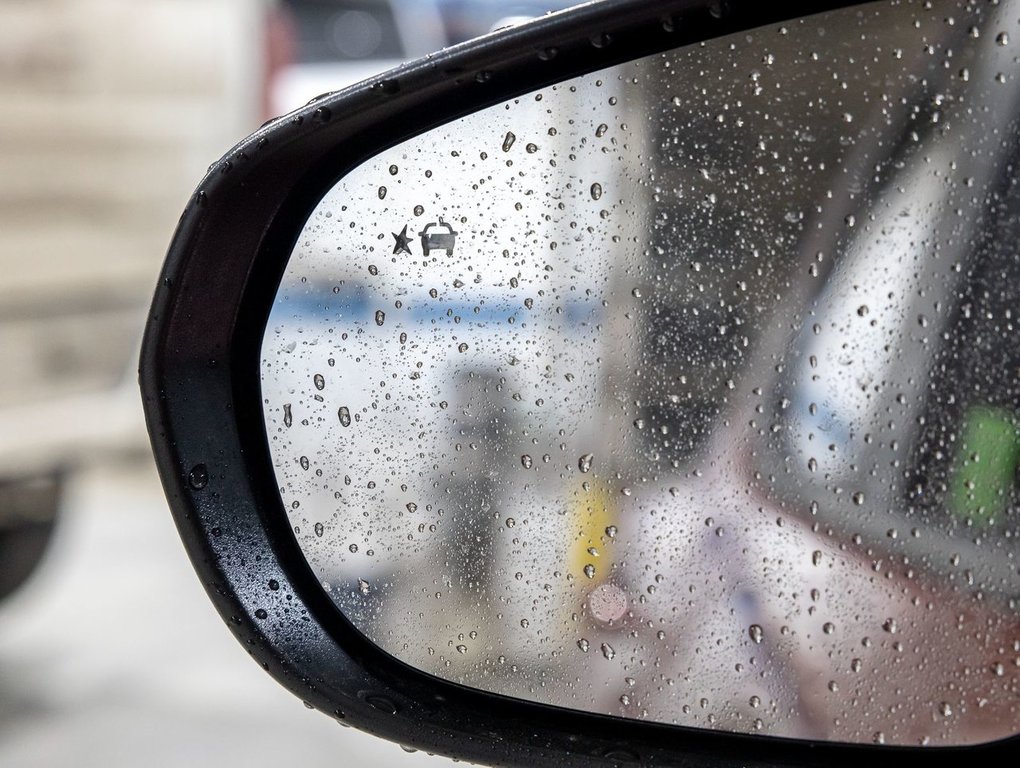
198,477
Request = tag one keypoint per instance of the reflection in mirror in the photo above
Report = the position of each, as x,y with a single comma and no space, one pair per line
684,391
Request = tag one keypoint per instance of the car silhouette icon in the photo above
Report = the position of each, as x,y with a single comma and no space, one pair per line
438,241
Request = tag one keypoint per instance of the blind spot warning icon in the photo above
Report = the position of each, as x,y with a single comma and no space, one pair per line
438,241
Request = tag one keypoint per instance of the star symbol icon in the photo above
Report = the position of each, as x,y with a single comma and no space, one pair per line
402,241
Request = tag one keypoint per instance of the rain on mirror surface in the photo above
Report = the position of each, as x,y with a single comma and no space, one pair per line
687,390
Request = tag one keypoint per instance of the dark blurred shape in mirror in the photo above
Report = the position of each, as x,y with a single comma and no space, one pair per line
684,391
28,514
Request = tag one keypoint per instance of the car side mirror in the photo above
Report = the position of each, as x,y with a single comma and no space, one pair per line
636,385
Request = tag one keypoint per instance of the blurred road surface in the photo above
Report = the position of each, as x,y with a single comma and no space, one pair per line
113,656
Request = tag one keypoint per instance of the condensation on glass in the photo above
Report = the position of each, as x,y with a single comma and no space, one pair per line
686,391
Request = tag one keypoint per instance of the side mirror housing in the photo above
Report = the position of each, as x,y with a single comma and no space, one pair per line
362,372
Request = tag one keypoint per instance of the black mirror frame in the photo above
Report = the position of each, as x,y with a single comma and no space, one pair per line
200,382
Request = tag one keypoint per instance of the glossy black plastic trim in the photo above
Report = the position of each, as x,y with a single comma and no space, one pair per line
200,383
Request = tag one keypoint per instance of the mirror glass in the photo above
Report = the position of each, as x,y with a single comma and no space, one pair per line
687,390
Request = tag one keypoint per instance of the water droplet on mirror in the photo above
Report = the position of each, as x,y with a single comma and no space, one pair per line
1002,38
526,461
607,651
508,141
198,477
319,529
373,270
596,191
816,557
611,531
411,507
320,382
288,417
363,586
584,463
755,633
583,645
589,571
889,625
601,130
344,414
419,210
380,317
382,193
462,347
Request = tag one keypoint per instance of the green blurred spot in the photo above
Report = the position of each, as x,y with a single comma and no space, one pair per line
986,463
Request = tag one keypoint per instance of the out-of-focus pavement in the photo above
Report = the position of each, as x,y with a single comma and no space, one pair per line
113,656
